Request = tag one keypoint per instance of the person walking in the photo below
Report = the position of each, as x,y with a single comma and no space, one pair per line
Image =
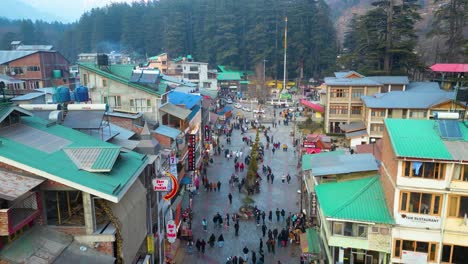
288,178
230,198
264,228
219,186
205,224
260,246
263,217
246,252
275,233
269,245
272,246
270,234
283,213
273,150
254,257
203,245
198,245
277,214
220,241
236,228
258,218
270,216
272,177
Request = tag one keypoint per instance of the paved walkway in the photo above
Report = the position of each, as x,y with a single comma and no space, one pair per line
272,196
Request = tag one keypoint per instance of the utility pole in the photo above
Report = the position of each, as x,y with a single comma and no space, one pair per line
285,52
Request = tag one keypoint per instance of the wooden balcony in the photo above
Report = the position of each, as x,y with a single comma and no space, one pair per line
19,214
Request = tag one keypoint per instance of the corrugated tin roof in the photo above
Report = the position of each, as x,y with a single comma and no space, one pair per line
93,159
450,67
357,200
359,133
415,98
175,110
35,47
353,126
417,138
111,186
346,73
229,76
14,184
175,80
9,80
11,55
179,98
27,96
313,106
307,159
84,119
7,108
340,164
350,81
168,131
401,80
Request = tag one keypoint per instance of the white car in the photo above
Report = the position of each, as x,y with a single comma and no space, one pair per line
229,101
238,106
246,109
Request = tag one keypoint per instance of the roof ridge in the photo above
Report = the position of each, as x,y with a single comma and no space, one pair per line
356,195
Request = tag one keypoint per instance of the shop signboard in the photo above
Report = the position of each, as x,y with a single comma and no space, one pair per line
171,231
161,184
191,152
412,257
309,144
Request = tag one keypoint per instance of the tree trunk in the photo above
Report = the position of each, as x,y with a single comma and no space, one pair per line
388,40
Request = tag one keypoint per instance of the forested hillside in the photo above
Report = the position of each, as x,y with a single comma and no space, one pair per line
237,33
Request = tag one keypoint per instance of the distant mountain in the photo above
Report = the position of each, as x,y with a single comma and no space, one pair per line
16,9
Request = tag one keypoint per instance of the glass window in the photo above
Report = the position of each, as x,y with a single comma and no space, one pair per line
453,206
348,229
408,245
432,252
463,207
426,200
104,83
459,254
362,231
337,228
422,247
436,204
414,202
404,201
397,248
446,252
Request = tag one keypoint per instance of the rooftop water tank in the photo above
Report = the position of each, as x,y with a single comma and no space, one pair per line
56,74
62,95
81,94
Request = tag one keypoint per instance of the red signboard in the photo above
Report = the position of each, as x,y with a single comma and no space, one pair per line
191,152
309,144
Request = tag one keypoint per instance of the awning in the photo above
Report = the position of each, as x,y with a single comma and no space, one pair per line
186,180
449,67
168,131
310,244
14,185
176,111
313,106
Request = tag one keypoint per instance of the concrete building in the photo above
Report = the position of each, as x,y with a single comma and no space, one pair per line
343,96
424,174
66,181
354,221
420,100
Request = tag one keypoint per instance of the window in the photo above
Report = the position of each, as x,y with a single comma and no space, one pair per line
378,112
349,229
357,93
427,170
33,68
377,127
64,208
430,248
113,101
104,83
458,206
206,84
338,110
461,172
338,93
356,110
193,68
17,71
193,76
140,105
389,113
163,62
418,114
420,203
454,254
85,79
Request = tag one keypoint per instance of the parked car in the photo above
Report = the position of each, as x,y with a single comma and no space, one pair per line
238,106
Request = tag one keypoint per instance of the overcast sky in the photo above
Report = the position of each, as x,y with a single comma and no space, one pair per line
70,10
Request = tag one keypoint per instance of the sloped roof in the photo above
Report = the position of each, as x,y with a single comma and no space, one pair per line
35,47
27,96
175,110
418,138
313,106
7,108
229,76
11,55
350,81
176,80
402,80
93,159
322,164
347,73
356,200
307,159
418,96
449,67
179,98
353,126
9,80
57,166
168,131
122,73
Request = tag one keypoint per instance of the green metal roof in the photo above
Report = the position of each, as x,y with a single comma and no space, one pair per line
120,73
357,200
57,166
313,242
415,138
95,159
307,158
229,76
244,82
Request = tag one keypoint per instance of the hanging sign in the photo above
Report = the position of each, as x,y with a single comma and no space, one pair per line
171,231
191,152
161,184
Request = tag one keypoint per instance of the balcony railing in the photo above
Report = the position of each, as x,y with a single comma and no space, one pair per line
19,214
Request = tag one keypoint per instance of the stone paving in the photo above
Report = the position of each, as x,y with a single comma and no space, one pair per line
272,196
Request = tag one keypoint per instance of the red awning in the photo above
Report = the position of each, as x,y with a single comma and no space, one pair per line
449,67
313,106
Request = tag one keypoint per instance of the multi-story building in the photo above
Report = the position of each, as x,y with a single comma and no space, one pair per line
37,65
425,179
343,96
420,100
354,221
125,89
160,62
